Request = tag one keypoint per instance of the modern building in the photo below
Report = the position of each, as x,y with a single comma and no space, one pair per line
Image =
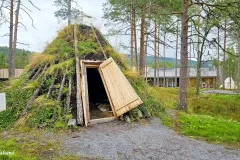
208,77
229,83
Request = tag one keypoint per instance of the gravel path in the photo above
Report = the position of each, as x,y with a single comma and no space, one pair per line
219,92
118,140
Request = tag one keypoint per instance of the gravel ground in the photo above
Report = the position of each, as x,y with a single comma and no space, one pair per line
218,92
118,140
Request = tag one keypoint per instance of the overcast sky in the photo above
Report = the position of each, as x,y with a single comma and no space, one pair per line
47,25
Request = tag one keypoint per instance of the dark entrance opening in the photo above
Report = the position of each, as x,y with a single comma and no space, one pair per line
99,106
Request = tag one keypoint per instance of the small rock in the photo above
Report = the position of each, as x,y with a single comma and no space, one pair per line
140,115
42,144
104,107
121,118
127,119
51,149
72,122
76,136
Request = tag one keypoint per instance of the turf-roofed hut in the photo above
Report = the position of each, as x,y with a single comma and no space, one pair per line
88,86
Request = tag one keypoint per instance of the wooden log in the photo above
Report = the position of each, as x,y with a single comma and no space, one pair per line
37,73
52,84
78,79
45,67
61,88
32,73
59,95
102,120
34,96
69,93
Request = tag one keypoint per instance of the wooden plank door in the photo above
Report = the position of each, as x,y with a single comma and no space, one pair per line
85,98
120,92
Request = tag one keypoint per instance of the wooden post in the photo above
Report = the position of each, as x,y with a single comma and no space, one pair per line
69,93
34,96
52,84
78,79
61,88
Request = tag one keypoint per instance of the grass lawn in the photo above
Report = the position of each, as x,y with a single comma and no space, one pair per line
210,128
214,118
33,145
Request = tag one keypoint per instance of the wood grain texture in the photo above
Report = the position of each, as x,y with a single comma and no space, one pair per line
4,73
121,93
85,98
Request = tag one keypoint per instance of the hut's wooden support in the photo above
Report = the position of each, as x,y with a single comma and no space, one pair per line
69,93
45,67
78,79
34,96
59,94
32,73
61,88
52,84
37,73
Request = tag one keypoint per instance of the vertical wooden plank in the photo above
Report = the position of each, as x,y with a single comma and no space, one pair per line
123,96
78,79
85,94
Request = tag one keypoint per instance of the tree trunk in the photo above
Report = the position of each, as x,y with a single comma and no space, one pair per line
218,59
164,61
135,38
78,79
198,77
69,11
199,63
158,55
15,36
182,101
142,55
146,50
238,66
190,59
176,58
224,52
11,67
132,28
155,53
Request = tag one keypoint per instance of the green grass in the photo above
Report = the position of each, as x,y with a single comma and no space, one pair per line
211,128
226,106
27,146
33,145
223,106
215,118
12,146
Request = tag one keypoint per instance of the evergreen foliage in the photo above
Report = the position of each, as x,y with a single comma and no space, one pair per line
21,57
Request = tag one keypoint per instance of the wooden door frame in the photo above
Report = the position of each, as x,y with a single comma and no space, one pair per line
85,96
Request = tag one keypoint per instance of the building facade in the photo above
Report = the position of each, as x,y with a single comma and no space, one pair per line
171,77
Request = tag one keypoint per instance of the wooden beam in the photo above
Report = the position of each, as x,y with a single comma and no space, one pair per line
101,120
78,79
85,98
